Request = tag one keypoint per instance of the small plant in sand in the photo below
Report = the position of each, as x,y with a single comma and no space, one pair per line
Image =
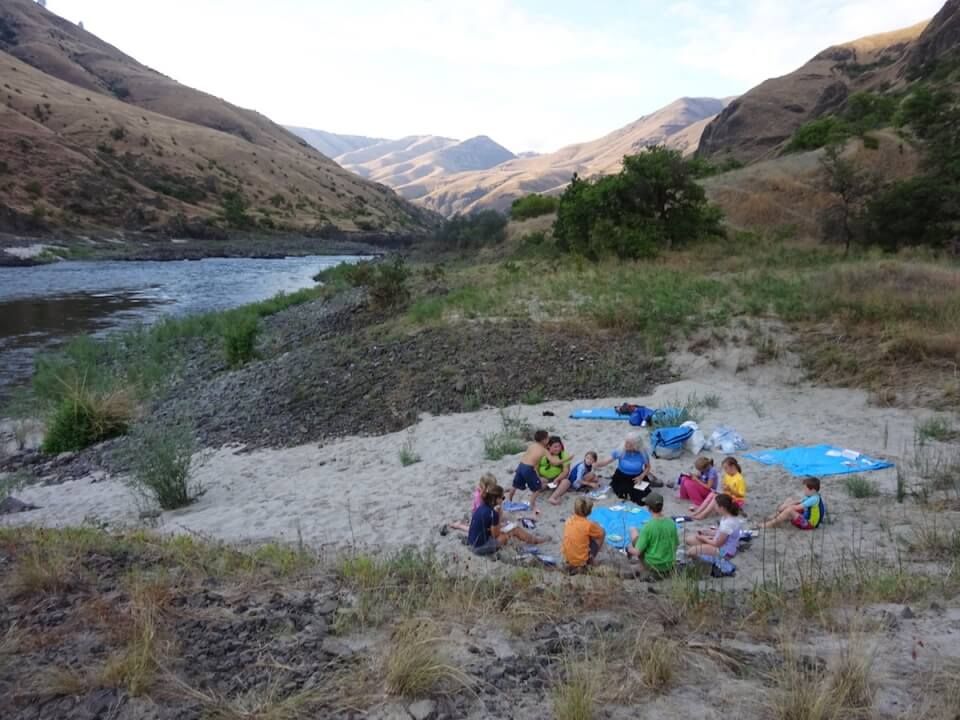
860,487
533,396
161,463
240,339
510,440
85,415
936,428
408,456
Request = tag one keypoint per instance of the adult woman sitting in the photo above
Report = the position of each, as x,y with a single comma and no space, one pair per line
632,479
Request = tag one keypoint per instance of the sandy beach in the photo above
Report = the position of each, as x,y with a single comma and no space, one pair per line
355,494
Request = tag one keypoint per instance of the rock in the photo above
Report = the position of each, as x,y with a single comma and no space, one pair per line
10,505
327,607
907,613
392,711
150,514
97,704
337,648
423,709
936,607
494,672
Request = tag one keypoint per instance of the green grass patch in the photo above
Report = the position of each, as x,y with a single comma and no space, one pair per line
936,428
858,486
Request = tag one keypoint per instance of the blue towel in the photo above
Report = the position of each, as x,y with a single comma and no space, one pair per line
510,506
819,460
617,523
598,414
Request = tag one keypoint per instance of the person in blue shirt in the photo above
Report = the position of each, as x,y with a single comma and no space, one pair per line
486,534
581,477
632,479
806,513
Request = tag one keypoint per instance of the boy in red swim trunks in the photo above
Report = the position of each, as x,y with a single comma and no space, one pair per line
806,513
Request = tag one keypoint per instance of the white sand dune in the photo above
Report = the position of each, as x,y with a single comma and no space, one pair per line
355,493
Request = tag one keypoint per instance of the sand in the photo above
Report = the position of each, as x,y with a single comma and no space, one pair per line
354,493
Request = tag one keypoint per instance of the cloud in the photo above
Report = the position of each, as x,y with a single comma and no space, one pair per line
752,41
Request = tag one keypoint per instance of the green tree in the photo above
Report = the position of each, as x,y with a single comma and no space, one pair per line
850,185
531,206
653,203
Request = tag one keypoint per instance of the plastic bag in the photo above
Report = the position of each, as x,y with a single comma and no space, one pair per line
726,440
694,444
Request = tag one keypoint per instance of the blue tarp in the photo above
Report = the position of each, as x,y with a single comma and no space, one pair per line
819,460
617,523
608,413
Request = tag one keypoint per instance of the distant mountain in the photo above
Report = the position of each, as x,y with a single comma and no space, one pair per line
91,138
414,165
332,144
758,124
678,125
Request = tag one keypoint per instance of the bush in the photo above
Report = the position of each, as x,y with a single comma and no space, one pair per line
386,282
818,133
653,203
919,211
532,206
470,232
84,417
160,459
235,207
239,340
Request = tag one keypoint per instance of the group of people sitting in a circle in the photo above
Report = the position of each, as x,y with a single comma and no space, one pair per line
547,464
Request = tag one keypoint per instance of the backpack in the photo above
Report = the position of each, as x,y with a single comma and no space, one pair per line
667,443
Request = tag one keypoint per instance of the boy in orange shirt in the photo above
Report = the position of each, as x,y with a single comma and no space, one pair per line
582,538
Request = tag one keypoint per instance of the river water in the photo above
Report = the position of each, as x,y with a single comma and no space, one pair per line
42,306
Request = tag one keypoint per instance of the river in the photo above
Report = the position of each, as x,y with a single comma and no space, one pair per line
42,306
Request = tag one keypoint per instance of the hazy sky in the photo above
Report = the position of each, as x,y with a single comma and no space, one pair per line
532,74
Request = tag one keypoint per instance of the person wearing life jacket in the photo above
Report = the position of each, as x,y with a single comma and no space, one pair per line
632,479
806,513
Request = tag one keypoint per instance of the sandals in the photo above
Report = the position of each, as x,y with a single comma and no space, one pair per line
444,529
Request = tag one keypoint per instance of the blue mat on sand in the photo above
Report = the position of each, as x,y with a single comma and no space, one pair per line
818,460
617,523
598,414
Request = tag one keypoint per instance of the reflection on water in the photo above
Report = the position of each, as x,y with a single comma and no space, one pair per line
42,306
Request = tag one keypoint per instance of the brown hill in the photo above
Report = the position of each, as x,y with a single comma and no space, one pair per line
756,125
790,191
91,138
676,125
414,165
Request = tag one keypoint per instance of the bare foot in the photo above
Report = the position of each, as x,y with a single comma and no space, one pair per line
553,502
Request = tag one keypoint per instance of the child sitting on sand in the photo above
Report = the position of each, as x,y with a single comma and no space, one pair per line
581,477
697,487
656,542
806,513
582,538
550,474
486,534
732,484
526,475
487,481
724,541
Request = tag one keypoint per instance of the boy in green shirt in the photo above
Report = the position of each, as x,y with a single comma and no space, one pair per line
656,542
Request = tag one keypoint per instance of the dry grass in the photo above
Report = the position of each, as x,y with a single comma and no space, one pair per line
842,690
136,667
414,665
269,704
42,572
577,697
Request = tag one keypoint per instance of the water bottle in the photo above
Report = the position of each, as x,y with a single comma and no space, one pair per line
681,556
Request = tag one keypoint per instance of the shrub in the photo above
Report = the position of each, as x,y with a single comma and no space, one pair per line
34,188
388,284
235,207
239,339
653,203
936,428
919,211
160,459
470,232
860,487
531,206
818,133
84,417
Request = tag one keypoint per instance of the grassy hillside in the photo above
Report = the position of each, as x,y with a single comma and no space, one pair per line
92,139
